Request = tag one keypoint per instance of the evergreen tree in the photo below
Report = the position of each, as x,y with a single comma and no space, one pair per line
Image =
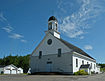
18,61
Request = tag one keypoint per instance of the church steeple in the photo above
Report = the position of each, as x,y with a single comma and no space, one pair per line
52,23
53,27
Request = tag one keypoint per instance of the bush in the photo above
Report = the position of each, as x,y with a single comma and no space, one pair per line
76,73
81,72
93,72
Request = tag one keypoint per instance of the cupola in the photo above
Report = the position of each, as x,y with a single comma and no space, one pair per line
53,27
52,23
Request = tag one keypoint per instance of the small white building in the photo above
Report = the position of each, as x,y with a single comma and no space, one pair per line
54,54
19,71
98,69
10,69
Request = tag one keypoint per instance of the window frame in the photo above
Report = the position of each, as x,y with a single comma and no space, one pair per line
59,52
91,65
94,66
76,62
40,54
82,62
50,26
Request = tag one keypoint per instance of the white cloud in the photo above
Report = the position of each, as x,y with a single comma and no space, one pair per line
75,34
88,47
8,29
75,24
70,28
24,41
2,18
16,36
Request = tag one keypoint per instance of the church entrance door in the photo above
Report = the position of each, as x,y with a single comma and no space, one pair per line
49,67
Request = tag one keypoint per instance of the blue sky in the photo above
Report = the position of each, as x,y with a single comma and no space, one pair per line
23,22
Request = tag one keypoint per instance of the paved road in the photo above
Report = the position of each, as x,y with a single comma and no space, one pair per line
99,77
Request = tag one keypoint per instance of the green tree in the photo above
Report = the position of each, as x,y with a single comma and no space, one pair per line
19,61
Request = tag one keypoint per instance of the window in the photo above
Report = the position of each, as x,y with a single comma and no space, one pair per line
91,65
49,42
94,66
82,62
76,62
50,26
40,54
56,27
59,52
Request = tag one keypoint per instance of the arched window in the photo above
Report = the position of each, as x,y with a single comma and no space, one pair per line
50,26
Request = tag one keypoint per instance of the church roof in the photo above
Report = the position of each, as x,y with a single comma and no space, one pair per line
76,49
52,18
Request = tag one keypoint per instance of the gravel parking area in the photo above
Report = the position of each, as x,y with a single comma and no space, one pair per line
98,77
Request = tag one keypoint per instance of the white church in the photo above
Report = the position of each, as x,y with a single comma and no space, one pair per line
54,54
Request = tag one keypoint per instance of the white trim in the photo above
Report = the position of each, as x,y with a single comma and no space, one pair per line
53,54
11,65
39,44
83,56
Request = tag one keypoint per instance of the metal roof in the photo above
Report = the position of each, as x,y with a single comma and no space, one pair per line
74,48
52,18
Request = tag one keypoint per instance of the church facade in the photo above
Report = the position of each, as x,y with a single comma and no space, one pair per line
54,54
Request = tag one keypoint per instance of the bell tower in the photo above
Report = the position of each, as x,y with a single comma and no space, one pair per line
53,27
52,23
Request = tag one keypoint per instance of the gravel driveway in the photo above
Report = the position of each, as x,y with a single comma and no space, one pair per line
98,77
